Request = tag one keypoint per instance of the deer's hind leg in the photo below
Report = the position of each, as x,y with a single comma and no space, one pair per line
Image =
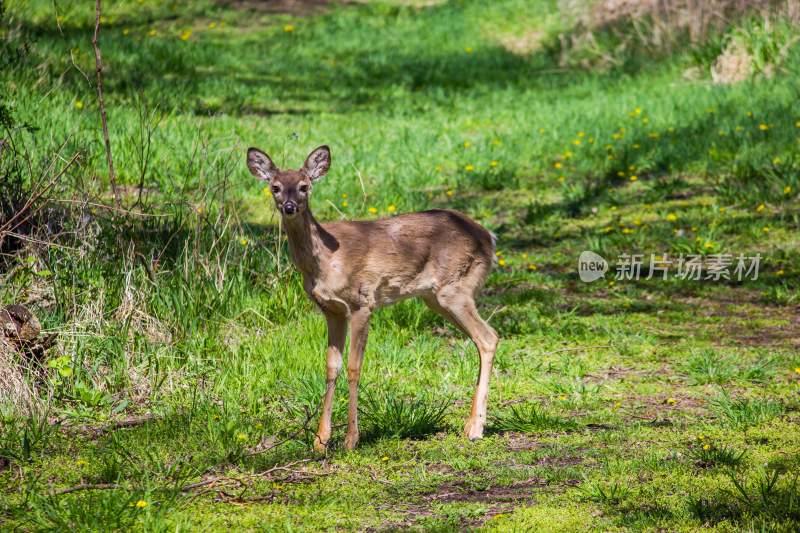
457,304
337,329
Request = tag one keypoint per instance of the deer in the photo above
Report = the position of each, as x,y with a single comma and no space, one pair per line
352,268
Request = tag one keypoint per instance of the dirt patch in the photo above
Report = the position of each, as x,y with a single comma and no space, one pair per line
520,442
301,8
744,315
460,491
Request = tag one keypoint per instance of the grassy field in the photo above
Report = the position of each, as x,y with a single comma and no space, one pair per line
183,388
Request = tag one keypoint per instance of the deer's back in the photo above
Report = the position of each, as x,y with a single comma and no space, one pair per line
407,255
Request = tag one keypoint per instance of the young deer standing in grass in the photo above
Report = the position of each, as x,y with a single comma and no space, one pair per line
352,268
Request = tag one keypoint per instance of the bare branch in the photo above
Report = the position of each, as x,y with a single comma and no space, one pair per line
98,62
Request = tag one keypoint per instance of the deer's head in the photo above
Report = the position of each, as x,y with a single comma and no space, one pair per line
291,189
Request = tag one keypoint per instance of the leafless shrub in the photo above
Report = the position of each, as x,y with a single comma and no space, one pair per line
656,24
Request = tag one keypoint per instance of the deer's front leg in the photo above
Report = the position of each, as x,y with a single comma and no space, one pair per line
337,326
359,327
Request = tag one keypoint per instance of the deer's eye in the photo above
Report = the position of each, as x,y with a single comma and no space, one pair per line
276,189
304,188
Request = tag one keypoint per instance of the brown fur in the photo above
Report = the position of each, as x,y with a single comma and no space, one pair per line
351,268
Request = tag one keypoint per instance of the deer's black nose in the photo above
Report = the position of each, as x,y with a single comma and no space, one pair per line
289,208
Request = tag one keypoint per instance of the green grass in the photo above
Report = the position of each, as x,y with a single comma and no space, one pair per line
187,316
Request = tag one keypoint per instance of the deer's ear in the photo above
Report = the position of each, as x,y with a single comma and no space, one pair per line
260,165
317,163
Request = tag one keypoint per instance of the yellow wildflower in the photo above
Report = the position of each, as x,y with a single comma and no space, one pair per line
760,207
241,437
185,34
468,49
634,178
78,104
152,33
706,447
469,168
787,189
763,127
344,195
532,267
493,163
501,262
672,217
141,504
373,210
780,272
576,142
125,31
385,458
557,164
450,192
671,401
212,25
243,241
467,144
497,142
391,208
288,28
345,204
708,245
765,229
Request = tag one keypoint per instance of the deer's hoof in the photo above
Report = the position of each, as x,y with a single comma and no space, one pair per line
473,430
350,441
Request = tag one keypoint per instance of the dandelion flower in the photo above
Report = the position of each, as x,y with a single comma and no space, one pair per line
373,210
780,273
541,130
634,178
532,267
706,447
241,437
501,262
199,209
627,231
721,209
467,144
760,207
787,189
469,168
78,104
152,33
708,245
391,208
468,49
671,401
288,28
621,174
243,241
765,229
562,178
345,204
385,458
450,192
344,195
81,462
576,142
498,253
797,370
763,127
493,163
212,25
125,31
141,504
672,217
185,34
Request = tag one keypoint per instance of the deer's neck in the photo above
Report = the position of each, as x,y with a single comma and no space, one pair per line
305,242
